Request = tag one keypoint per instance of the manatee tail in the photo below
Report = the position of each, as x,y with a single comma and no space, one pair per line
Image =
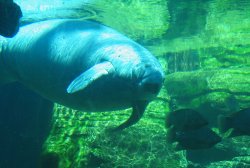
138,111
224,123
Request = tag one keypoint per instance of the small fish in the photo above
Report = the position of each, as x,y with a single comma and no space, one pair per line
201,138
185,120
238,121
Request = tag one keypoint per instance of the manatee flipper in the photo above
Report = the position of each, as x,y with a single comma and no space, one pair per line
138,110
89,76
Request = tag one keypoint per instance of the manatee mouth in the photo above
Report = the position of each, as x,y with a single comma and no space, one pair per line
150,86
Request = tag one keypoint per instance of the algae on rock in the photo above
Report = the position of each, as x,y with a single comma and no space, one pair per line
212,92
81,139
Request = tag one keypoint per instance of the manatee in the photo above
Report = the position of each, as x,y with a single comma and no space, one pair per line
83,65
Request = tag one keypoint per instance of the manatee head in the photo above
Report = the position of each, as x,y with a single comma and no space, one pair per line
137,65
149,80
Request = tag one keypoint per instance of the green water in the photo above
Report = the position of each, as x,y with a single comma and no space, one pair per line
204,48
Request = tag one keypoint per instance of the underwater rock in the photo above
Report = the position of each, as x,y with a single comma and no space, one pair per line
82,138
225,56
245,159
94,161
10,13
214,92
228,149
232,80
187,18
228,164
183,61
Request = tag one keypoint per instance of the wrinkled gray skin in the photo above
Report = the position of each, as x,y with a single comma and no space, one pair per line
58,60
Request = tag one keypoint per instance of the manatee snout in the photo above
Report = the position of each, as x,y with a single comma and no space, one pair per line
152,88
151,83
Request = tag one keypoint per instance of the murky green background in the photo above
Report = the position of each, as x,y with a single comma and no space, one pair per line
204,48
